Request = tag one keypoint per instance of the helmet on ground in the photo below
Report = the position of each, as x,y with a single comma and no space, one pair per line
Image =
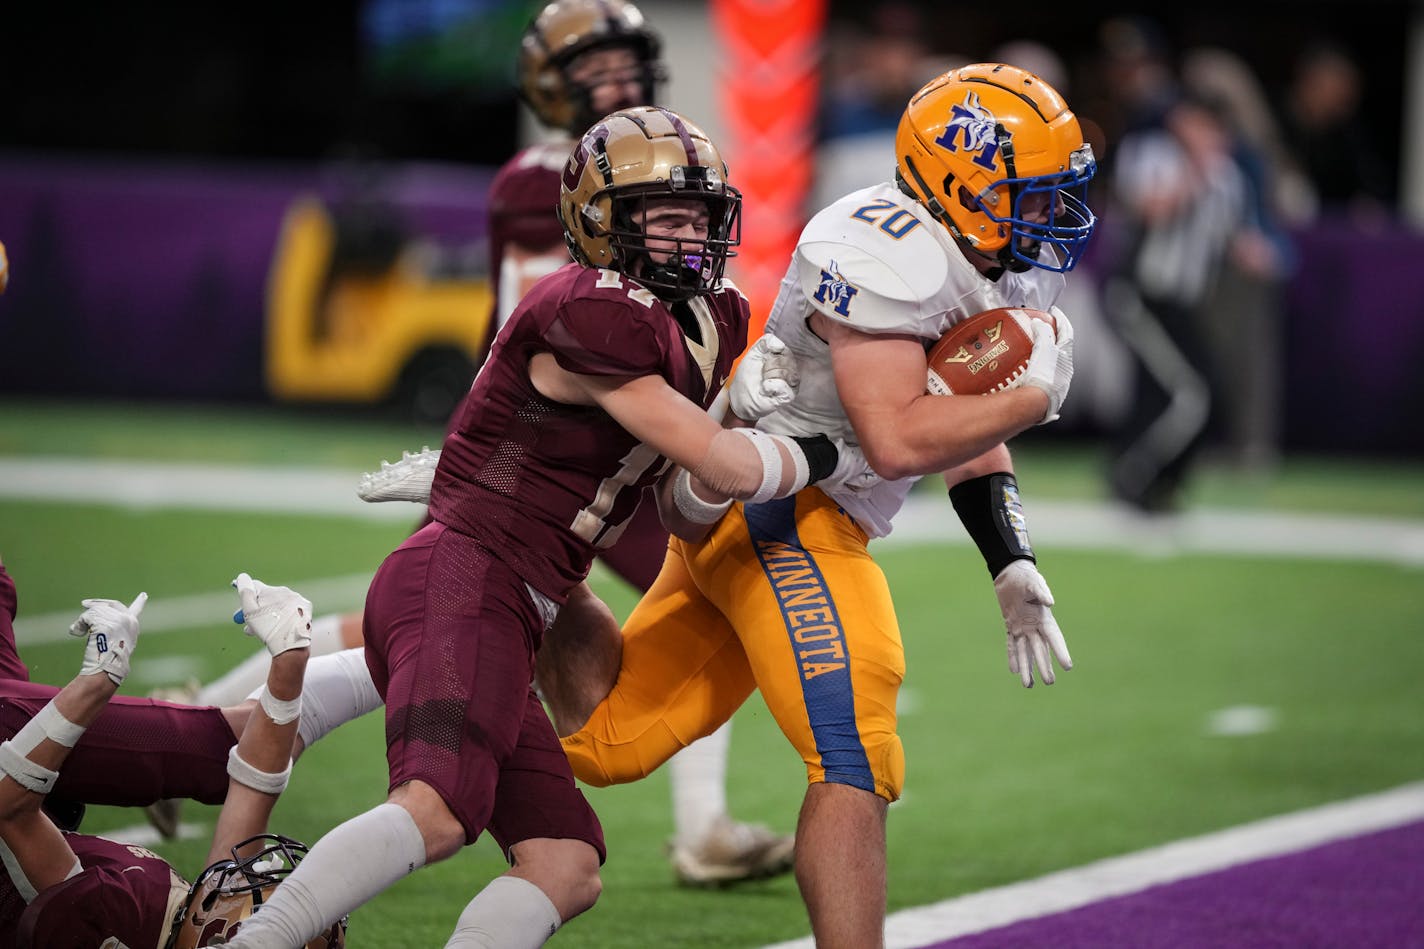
620,166
977,143
229,891
564,30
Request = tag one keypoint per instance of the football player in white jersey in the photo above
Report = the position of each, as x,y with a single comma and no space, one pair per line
987,210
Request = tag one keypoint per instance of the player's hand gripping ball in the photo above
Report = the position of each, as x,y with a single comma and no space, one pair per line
986,353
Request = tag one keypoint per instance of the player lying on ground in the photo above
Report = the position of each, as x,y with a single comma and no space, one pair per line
70,889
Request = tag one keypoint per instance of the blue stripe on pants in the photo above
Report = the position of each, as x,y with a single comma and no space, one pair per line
817,640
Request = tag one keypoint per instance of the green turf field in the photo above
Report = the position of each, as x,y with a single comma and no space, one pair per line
1002,784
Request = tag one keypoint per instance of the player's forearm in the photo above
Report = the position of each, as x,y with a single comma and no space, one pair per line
936,433
260,765
267,744
994,460
245,813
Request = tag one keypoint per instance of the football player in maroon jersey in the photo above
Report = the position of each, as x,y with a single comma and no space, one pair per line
578,61
71,889
602,376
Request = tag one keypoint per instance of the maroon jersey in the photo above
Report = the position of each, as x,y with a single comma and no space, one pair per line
524,198
544,484
124,892
10,665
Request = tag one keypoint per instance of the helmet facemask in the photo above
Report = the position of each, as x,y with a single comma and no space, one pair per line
230,891
1068,224
676,268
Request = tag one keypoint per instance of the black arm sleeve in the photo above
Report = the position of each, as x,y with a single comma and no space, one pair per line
991,512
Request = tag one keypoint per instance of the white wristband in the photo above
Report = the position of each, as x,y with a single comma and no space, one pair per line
798,459
770,464
692,507
248,776
281,711
26,773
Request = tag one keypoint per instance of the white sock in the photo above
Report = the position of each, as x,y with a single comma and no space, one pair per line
509,913
336,689
699,785
346,868
251,673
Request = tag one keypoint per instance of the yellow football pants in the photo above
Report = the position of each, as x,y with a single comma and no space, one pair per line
783,597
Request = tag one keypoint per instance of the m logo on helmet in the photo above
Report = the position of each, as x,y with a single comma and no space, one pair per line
836,290
978,127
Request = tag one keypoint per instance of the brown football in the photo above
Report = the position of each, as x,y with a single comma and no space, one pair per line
984,353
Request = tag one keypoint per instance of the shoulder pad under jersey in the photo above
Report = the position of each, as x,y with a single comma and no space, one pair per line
607,327
870,263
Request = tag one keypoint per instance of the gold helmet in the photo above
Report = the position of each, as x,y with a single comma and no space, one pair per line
633,157
974,143
229,891
558,35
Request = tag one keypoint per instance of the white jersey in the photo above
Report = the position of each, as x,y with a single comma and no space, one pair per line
878,262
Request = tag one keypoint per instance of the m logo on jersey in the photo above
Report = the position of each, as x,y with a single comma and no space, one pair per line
835,290
978,126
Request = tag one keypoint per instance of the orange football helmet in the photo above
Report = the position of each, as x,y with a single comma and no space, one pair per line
558,35
638,155
978,142
229,891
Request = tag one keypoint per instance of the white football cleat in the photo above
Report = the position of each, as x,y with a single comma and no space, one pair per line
406,480
732,852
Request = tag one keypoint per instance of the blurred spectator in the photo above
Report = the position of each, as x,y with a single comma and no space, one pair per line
1137,72
1241,317
871,70
1327,136
1182,207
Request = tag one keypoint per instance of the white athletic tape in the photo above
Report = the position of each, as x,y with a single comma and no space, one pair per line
770,464
49,723
248,776
281,711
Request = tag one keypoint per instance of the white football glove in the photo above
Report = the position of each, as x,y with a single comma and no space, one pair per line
1026,603
852,472
278,616
1050,368
766,379
406,480
112,629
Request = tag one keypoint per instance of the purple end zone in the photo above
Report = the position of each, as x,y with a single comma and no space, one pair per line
1358,893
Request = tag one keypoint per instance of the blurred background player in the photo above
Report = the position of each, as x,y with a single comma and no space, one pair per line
987,210
578,61
71,889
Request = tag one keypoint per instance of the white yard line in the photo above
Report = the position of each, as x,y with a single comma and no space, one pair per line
927,516
147,486
1132,873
